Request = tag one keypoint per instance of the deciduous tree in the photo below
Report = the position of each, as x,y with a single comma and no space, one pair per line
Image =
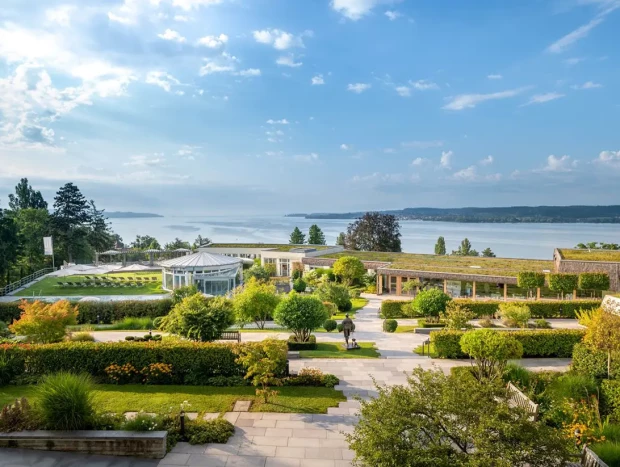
490,351
44,323
603,333
301,315
430,303
145,242
255,302
374,232
349,269
341,239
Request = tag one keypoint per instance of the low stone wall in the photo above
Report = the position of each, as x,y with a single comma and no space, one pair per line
150,444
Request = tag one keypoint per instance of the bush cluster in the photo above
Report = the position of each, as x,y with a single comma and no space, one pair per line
193,363
594,362
538,308
310,344
311,377
557,343
390,325
391,309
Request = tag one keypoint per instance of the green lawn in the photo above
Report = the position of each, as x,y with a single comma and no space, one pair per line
358,304
159,399
418,350
49,286
402,329
325,350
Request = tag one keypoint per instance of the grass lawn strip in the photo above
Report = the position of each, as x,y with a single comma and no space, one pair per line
405,329
159,399
325,350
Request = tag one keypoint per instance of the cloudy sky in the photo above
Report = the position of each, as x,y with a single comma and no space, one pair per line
269,106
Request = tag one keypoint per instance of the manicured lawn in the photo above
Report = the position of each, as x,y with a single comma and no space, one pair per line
401,329
325,350
358,304
159,399
590,255
418,350
49,286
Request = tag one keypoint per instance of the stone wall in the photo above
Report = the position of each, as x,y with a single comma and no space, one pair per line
449,276
150,444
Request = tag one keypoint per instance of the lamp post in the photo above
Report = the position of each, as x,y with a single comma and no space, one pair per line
98,319
182,417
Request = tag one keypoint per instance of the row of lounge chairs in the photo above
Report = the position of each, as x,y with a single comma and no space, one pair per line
121,279
106,284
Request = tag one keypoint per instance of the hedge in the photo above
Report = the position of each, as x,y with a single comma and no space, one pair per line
594,281
294,345
594,362
539,308
192,362
391,309
557,343
530,279
610,396
108,311
562,282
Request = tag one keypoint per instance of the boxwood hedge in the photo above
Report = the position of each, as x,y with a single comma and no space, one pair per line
108,312
540,343
594,362
192,362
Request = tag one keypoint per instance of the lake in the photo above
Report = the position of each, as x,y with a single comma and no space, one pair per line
507,240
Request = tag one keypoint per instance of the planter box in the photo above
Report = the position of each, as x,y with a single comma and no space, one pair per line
151,444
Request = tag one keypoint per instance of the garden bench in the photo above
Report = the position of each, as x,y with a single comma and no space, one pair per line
521,400
230,336
588,459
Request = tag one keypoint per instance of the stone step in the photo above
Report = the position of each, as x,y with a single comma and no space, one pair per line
349,405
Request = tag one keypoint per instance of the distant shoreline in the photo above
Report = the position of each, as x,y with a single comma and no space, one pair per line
130,215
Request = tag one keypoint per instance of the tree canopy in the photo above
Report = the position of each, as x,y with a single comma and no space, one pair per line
316,235
301,315
255,302
297,237
440,246
349,269
374,232
26,197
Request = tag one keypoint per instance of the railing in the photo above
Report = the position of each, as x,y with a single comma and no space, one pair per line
24,281
521,400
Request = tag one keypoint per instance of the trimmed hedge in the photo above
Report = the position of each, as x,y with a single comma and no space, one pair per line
594,281
557,343
530,279
294,345
108,311
562,282
610,395
538,308
594,362
192,362
391,309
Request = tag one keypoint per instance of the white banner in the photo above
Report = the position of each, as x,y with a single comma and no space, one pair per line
48,246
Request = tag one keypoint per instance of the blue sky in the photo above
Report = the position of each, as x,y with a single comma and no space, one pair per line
273,106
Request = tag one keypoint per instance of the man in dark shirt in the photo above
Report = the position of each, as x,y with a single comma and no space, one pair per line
347,328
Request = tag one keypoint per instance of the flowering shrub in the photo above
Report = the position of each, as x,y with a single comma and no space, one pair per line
44,323
122,374
157,373
586,425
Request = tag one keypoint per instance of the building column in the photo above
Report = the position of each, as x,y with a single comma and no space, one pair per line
399,285
379,284
537,293
574,294
473,290
445,286
505,291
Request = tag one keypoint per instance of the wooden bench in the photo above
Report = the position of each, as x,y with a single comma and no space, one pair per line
521,400
588,459
230,336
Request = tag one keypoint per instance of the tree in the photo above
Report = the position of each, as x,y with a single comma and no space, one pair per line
199,318
444,421
374,232
201,241
26,197
563,283
255,301
181,293
335,293
490,350
465,249
264,362
457,316
341,239
316,235
603,333
301,315
145,242
71,216
297,237
9,244
430,303
349,269
488,253
597,281
440,246
257,272
515,315
530,280
33,225
44,323
100,236
176,244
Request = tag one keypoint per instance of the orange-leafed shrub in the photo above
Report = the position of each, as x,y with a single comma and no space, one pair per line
44,323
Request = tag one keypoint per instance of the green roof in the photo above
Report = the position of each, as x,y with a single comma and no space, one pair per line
267,246
590,255
506,267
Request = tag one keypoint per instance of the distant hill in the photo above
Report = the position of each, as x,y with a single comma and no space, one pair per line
129,215
514,214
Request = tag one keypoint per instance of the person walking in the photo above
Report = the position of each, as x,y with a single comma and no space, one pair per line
347,328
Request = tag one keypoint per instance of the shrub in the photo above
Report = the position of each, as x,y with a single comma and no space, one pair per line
255,301
299,285
181,293
609,452
594,281
312,377
340,327
430,303
390,325
130,338
301,315
330,325
217,430
82,337
491,351
264,363
563,283
133,324
515,316
65,401
143,422
422,323
349,269
530,280
294,344
557,343
122,374
594,362
18,416
486,322
395,309
4,330
157,373
227,381
516,374
336,294
457,316
542,324
332,309
538,308
572,386
603,333
11,366
200,318
44,323
260,273
610,396
114,311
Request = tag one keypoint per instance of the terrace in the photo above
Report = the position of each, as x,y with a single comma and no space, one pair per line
590,255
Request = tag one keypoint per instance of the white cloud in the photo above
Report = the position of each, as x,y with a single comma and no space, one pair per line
446,159
494,76
358,88
161,79
587,85
249,72
418,161
422,144
60,15
223,63
191,4
378,177
487,160
171,35
283,121
403,91
574,60
142,160
569,39
469,101
188,152
542,98
559,164
345,147
393,15
312,157
470,174
288,60
317,80
423,85
280,40
356,9
609,158
213,42
181,18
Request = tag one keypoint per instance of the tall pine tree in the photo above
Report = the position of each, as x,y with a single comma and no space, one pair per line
316,236
440,246
26,197
297,237
71,219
